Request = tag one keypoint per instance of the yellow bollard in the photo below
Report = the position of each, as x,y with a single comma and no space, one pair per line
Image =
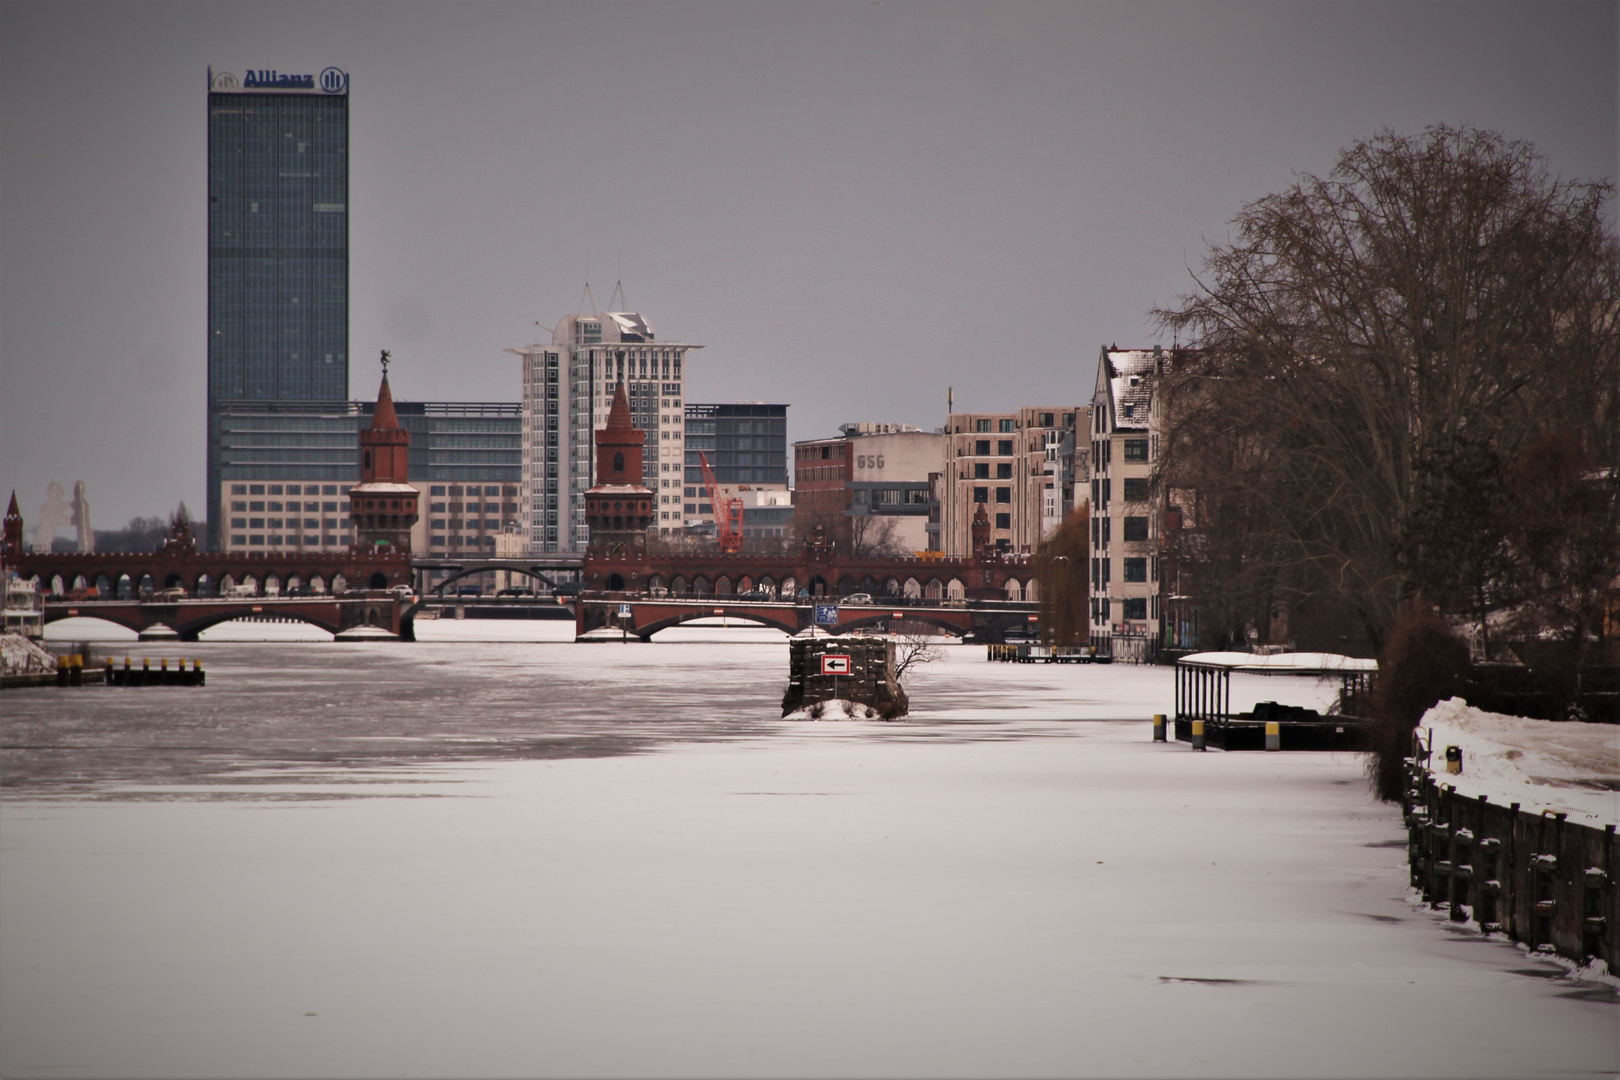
1273,735
1158,727
1198,735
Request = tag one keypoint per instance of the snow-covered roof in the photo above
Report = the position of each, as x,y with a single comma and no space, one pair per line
380,487
1130,378
1282,663
632,327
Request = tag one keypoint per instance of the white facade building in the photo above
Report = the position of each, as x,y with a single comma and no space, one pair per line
567,392
1126,524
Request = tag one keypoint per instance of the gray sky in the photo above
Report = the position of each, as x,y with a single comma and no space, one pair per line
852,205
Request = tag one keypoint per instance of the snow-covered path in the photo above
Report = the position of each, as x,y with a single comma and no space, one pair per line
961,896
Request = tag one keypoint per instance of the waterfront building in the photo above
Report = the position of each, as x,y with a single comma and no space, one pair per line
568,388
278,249
383,503
1020,467
1126,517
869,487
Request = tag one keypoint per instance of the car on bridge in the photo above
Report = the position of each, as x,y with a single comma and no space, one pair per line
857,598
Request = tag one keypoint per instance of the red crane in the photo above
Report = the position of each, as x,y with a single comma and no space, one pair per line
728,511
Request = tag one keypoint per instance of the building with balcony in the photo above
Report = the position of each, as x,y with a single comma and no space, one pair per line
1020,467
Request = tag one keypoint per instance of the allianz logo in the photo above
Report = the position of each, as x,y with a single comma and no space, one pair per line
332,80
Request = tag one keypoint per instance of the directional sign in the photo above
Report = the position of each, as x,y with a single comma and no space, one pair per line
835,663
624,611
826,614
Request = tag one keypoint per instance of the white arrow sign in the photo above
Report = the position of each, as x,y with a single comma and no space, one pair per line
834,664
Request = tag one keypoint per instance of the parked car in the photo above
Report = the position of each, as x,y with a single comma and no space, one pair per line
756,594
567,588
302,590
402,591
239,592
172,593
469,590
515,592
857,598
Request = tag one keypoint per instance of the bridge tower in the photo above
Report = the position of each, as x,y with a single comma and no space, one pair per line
981,533
619,508
383,504
13,543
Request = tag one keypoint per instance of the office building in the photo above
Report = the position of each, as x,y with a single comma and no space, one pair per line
1014,465
568,390
746,443
869,488
278,247
285,468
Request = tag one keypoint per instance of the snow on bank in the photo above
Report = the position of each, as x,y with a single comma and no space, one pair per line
1566,766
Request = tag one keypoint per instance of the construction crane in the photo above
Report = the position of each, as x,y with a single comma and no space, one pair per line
728,511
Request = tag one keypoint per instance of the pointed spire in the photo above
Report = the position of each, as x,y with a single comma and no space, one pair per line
619,415
384,418
12,511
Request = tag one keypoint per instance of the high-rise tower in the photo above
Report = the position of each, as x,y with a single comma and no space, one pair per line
568,387
278,246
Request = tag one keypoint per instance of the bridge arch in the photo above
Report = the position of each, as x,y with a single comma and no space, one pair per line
722,586
701,586
1032,591
955,590
934,590
190,628
679,586
912,589
955,626
131,622
1015,591
472,568
787,621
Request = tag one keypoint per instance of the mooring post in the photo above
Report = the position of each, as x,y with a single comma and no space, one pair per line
1273,735
1198,735
1158,727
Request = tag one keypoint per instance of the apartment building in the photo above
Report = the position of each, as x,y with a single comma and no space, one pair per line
1020,466
1126,522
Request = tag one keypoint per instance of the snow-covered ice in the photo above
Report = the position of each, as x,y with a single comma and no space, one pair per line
1565,766
1013,881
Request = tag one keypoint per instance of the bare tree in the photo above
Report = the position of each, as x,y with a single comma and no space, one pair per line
1369,347
873,535
913,650
1061,565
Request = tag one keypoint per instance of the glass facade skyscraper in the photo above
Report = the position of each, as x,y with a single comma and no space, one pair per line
278,247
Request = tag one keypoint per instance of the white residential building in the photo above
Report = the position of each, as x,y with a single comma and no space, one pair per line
567,392
1126,523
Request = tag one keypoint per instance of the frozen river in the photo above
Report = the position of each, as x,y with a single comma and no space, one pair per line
486,859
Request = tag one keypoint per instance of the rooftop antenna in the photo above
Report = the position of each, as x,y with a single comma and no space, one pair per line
586,296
